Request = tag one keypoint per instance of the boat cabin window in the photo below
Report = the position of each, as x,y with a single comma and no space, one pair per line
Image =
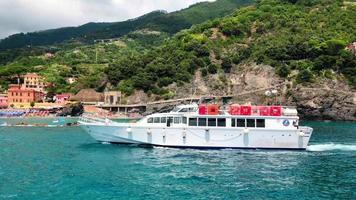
240,122
176,109
184,120
193,121
250,122
150,120
176,120
163,119
201,121
156,120
260,123
211,121
184,110
221,122
233,122
192,109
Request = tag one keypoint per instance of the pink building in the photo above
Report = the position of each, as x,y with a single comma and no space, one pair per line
62,98
351,47
3,101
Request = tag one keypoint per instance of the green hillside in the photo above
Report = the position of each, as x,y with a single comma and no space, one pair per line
158,20
307,37
303,40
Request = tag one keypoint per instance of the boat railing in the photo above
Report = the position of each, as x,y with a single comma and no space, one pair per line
93,119
255,111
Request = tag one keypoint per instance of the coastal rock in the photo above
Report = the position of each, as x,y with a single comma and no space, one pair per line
73,110
324,104
325,99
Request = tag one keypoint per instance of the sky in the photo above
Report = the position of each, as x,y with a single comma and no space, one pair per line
33,15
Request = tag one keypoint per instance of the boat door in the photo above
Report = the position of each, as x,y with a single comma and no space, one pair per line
169,121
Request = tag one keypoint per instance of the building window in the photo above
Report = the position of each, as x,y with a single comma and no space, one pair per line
240,122
193,122
250,122
221,122
260,123
211,121
201,121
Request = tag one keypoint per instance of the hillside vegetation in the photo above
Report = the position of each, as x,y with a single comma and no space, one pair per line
157,20
292,36
303,40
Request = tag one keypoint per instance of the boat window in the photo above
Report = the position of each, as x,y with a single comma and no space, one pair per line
221,122
240,122
250,122
192,109
184,120
260,123
201,121
184,110
176,109
233,122
156,120
170,119
150,120
163,119
211,121
176,120
193,122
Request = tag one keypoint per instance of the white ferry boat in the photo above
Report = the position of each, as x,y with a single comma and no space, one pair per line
205,126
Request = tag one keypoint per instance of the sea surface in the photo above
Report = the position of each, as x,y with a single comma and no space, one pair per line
65,163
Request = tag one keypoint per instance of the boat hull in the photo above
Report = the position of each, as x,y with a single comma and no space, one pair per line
195,137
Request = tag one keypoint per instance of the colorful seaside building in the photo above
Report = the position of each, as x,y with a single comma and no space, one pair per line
351,47
33,81
18,95
62,98
3,101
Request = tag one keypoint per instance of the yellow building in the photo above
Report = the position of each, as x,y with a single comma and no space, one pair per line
33,81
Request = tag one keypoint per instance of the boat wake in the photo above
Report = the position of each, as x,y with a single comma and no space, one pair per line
332,147
105,143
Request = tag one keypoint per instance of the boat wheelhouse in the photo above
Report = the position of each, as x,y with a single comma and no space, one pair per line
207,126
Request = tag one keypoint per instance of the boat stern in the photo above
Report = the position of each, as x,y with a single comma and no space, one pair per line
305,134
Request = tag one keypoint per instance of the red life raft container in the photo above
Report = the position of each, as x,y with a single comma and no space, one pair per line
213,109
275,111
234,109
264,110
202,109
245,110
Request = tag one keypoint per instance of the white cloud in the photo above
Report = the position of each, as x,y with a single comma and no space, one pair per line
33,15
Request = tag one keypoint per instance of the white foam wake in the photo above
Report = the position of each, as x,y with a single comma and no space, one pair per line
105,142
332,147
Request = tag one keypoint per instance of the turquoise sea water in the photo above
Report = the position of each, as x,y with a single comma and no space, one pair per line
65,163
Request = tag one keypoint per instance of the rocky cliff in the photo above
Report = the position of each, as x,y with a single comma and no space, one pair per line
324,99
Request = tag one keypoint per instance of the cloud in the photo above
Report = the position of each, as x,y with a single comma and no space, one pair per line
34,15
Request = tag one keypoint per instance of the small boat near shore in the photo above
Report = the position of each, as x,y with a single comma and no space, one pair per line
205,126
